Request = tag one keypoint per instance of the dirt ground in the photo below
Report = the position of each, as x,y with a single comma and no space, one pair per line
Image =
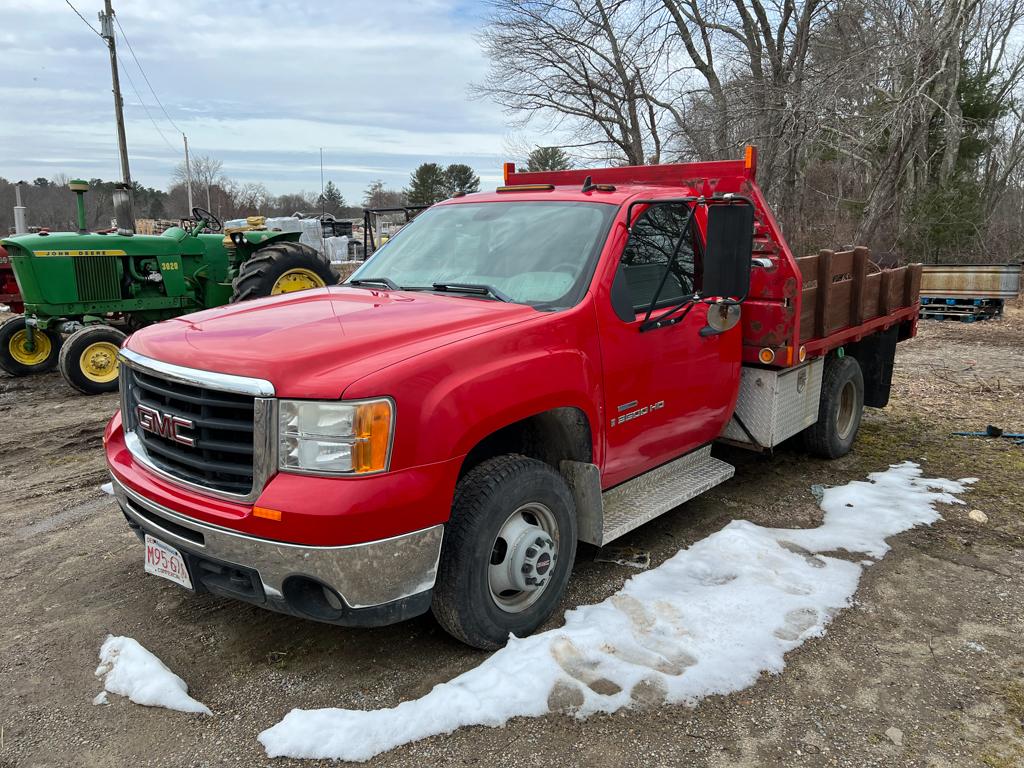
932,646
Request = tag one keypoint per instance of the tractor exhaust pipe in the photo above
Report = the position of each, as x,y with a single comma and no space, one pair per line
80,187
20,212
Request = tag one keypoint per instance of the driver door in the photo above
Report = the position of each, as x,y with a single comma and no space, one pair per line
667,390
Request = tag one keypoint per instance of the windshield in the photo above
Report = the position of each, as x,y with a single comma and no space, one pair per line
537,253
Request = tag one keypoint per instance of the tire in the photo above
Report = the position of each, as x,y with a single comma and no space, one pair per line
15,357
88,359
501,496
839,409
281,268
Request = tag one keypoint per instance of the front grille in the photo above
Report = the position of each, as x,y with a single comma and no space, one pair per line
97,278
222,428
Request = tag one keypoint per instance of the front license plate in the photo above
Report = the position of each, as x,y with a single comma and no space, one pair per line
164,560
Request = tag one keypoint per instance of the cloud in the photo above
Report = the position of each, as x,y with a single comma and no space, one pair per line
381,86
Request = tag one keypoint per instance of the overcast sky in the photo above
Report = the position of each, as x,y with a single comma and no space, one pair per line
381,86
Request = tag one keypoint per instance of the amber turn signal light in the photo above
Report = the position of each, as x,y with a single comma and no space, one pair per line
373,433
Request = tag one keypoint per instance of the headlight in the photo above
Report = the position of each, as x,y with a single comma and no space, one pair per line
334,438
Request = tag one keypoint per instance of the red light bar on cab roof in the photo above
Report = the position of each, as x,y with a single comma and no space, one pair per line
669,174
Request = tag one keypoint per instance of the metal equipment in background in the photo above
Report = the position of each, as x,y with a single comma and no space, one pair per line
968,292
373,237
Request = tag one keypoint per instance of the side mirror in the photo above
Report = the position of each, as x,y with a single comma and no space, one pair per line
730,244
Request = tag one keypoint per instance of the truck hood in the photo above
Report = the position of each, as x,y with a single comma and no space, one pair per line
314,344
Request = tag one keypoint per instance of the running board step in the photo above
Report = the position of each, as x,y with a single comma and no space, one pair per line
604,517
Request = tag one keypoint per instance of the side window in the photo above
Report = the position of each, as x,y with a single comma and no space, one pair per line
650,246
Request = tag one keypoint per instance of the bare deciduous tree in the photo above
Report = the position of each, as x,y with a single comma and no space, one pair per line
582,67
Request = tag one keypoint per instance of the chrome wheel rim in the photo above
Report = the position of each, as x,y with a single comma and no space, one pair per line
524,557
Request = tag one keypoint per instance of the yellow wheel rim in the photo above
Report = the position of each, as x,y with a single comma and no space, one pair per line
18,347
297,280
98,362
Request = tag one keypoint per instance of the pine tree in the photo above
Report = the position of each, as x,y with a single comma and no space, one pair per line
428,184
331,198
548,159
461,179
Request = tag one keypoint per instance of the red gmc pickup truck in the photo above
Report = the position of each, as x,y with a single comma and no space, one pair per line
514,372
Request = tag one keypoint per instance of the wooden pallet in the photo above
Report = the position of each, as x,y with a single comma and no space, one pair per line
964,310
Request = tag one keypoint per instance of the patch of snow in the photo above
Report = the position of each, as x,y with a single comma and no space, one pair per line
710,620
100,698
976,647
107,488
130,670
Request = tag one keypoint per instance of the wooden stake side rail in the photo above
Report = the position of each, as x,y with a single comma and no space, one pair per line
845,296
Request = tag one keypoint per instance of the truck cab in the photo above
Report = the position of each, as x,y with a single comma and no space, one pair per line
514,372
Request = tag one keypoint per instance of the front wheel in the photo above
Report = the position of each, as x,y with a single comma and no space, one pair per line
18,357
839,409
508,551
88,360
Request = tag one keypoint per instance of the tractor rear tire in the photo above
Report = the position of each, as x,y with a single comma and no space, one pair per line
282,268
16,359
88,360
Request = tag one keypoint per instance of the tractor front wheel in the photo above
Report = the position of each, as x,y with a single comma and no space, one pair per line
19,358
282,268
88,360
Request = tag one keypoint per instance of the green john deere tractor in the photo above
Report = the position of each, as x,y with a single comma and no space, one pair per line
84,291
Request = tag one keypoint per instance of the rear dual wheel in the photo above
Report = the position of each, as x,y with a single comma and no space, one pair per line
839,410
19,357
88,359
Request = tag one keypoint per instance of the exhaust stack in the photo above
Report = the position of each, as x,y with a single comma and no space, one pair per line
123,209
20,211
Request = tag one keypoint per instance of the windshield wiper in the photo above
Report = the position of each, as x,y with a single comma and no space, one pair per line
478,288
391,285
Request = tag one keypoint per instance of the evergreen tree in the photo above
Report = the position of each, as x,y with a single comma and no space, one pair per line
548,159
428,184
331,199
461,179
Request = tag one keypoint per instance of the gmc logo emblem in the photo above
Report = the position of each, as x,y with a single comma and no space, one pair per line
165,424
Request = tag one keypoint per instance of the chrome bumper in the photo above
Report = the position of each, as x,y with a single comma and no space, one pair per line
364,575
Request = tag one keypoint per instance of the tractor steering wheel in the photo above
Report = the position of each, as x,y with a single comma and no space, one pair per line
212,222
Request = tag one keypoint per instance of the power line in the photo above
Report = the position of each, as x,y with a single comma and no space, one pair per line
149,114
139,65
84,20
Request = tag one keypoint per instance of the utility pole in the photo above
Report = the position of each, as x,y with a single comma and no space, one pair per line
188,175
107,25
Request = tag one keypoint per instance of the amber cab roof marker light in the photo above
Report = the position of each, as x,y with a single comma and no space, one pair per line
750,160
526,188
